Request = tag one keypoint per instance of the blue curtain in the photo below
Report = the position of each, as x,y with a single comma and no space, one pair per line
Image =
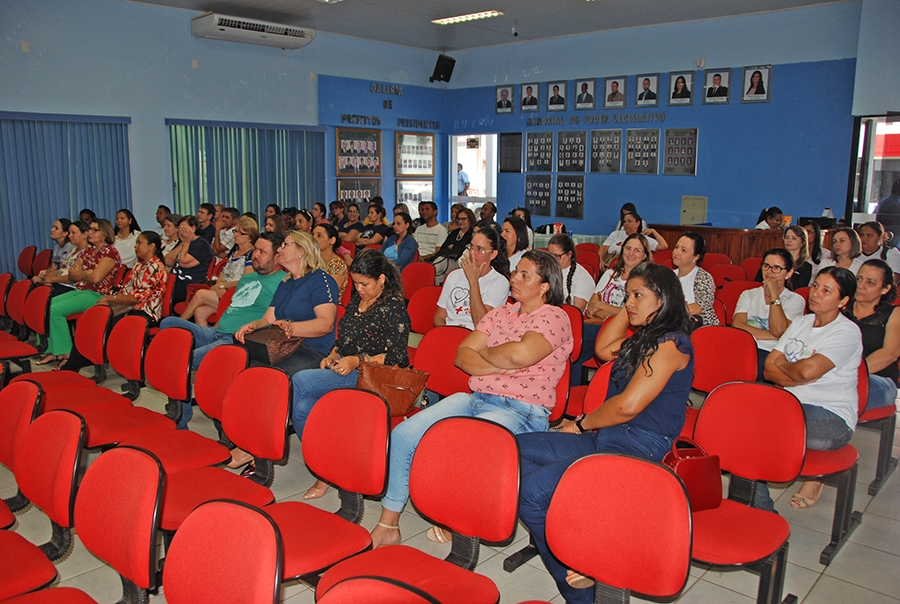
246,166
52,166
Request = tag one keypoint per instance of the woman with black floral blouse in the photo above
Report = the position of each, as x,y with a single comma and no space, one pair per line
375,328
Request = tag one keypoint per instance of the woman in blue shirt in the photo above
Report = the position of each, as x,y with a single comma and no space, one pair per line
401,247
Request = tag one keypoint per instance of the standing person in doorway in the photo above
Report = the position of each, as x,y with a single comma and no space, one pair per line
462,181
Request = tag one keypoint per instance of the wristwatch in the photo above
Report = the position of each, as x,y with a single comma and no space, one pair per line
775,302
581,429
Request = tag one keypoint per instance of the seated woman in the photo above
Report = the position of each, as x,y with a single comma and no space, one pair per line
275,224
170,241
479,286
375,232
516,356
845,250
770,218
142,293
698,285
326,236
878,319
766,312
57,276
190,261
631,224
127,231
452,225
352,227
515,234
59,233
319,213
819,257
644,409
796,242
577,281
239,261
401,247
375,328
817,359
525,215
871,237
446,256
302,220
94,274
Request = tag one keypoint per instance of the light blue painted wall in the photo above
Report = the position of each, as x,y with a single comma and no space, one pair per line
877,88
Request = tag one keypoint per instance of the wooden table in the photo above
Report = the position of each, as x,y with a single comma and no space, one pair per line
739,244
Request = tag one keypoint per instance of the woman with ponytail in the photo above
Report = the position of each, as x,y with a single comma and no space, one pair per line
578,283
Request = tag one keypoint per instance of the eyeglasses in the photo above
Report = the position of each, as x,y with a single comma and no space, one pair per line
772,267
479,250
559,256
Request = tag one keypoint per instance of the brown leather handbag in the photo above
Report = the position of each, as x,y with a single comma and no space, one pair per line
401,387
269,345
699,471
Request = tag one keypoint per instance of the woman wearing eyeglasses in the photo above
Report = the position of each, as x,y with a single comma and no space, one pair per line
766,312
479,286
454,245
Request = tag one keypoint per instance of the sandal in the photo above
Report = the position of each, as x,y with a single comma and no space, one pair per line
800,502
390,527
439,535
49,358
236,463
578,581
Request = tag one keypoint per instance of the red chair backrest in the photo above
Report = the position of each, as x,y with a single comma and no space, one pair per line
576,320
663,257
258,429
117,512
353,590
713,258
20,403
6,280
416,275
562,394
91,332
121,272
42,261
758,431
353,460
37,310
125,347
722,354
167,364
591,263
730,293
721,314
804,292
215,268
597,388
348,291
167,296
586,249
26,260
422,306
192,574
638,509
214,376
465,475
726,273
751,266
48,459
436,354
224,301
15,301
862,386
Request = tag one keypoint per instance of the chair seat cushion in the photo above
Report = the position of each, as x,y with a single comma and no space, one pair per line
872,415
444,581
83,400
23,566
57,595
112,426
734,534
315,539
181,450
56,380
7,518
14,349
823,463
184,491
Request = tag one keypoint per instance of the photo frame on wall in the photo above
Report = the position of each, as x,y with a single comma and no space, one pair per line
614,91
585,91
757,83
530,100
359,190
415,154
556,96
681,88
504,99
358,152
415,191
717,86
646,93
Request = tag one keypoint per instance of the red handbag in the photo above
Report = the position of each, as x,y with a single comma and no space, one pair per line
699,471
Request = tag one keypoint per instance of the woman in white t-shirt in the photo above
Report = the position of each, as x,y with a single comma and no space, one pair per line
770,218
127,231
845,250
631,224
577,282
817,359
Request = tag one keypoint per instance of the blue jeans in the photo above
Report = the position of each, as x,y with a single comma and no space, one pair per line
546,456
882,392
510,413
309,387
205,339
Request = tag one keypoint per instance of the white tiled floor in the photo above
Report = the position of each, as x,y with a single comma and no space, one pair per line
867,570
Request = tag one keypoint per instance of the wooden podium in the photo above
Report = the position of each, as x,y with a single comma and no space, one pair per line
739,244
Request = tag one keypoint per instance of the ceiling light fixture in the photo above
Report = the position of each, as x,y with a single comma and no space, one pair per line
470,17
330,1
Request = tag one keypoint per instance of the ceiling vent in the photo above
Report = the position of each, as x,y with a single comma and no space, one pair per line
251,31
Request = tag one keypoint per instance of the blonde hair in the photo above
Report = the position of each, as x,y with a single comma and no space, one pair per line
312,257
800,232
250,228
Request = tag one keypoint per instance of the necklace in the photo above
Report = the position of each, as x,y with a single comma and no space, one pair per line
459,234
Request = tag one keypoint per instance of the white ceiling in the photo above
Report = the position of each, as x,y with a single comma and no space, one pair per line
408,22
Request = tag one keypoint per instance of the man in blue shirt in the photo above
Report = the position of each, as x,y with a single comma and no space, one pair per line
462,181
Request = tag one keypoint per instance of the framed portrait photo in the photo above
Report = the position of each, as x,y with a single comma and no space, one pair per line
358,190
556,96
757,81
530,100
716,86
413,192
681,88
504,99
584,94
415,154
646,93
358,152
614,91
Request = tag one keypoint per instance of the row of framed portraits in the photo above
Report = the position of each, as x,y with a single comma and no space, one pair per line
716,88
358,153
362,190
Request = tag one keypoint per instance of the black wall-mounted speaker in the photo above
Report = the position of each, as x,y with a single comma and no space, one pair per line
443,69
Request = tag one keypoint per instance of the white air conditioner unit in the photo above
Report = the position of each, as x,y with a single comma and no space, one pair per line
251,31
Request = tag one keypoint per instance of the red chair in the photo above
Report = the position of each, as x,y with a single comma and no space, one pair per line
884,421
374,589
587,249
713,258
751,266
436,355
6,281
663,257
19,405
638,532
416,275
477,500
224,301
356,461
421,308
726,273
42,261
576,320
804,291
587,397
719,308
214,270
591,263
348,291
35,316
759,433
26,261
15,311
730,293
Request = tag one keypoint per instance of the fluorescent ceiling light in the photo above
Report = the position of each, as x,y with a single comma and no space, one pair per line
470,17
330,1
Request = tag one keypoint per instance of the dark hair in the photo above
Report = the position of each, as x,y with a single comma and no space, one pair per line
134,223
699,244
671,317
627,208
887,278
353,204
855,244
431,204
210,208
527,213
91,216
279,223
301,212
275,207
408,220
192,222
550,273
378,208
816,255
518,225
321,207
563,241
276,239
164,207
637,217
373,264
770,212
783,254
500,263
760,88
470,215
337,203
332,233
618,266
65,223
845,279
875,226
233,212
492,205
378,200
153,238
251,215
81,225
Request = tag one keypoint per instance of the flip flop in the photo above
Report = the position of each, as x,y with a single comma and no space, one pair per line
50,358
